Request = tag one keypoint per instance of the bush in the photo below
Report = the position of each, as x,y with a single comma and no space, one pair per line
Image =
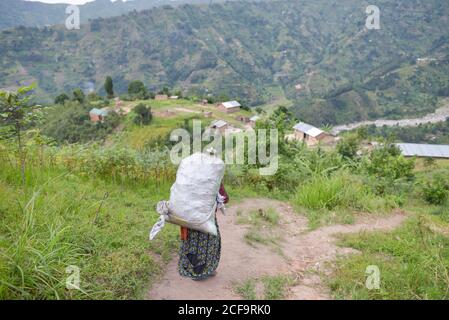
387,162
435,192
94,97
348,146
143,115
62,98
137,90
78,95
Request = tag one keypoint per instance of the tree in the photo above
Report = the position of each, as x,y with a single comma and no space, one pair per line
349,146
78,95
143,114
62,98
109,87
165,90
137,90
16,110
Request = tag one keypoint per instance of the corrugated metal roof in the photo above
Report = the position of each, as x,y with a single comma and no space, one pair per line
231,104
99,112
219,123
254,118
424,150
308,129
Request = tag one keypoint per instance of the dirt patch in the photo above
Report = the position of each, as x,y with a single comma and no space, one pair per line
186,110
301,252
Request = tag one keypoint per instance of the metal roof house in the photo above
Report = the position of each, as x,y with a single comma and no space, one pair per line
254,118
424,150
311,135
220,125
230,106
97,114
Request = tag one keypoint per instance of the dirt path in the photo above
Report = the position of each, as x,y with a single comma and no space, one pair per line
301,252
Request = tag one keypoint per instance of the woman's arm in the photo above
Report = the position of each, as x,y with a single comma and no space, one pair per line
223,193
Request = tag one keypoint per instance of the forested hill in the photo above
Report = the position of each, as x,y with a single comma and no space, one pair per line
255,52
14,13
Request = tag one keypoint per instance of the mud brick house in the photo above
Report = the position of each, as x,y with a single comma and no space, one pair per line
311,135
230,106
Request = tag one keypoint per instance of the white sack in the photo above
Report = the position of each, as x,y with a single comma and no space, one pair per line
193,196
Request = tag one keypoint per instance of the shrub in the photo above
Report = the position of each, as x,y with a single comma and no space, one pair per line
348,146
143,114
137,90
62,98
387,162
435,192
78,95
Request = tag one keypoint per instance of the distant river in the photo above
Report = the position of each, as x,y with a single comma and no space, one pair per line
439,115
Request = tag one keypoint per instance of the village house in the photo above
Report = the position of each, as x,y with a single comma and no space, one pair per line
230,106
97,115
311,135
424,150
161,97
220,125
253,120
174,97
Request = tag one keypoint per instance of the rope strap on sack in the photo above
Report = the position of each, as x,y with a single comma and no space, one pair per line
163,209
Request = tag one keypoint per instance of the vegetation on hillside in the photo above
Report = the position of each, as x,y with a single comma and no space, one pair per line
257,51
437,133
90,205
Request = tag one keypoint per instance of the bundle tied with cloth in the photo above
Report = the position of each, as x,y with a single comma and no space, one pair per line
194,197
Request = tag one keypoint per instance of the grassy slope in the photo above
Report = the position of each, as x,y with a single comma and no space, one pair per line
137,137
413,260
101,225
60,220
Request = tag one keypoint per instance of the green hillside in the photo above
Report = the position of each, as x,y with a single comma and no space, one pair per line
74,193
14,13
255,51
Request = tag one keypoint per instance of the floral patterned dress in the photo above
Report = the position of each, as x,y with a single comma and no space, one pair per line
200,252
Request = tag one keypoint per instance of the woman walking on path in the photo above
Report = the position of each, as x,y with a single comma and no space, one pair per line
200,252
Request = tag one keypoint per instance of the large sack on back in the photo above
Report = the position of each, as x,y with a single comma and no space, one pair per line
193,196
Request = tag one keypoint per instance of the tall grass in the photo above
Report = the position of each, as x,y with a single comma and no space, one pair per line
340,190
336,196
64,218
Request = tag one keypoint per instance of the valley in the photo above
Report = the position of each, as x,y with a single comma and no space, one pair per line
87,146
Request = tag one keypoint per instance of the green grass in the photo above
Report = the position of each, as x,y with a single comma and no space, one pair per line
276,286
335,199
413,262
61,219
247,290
